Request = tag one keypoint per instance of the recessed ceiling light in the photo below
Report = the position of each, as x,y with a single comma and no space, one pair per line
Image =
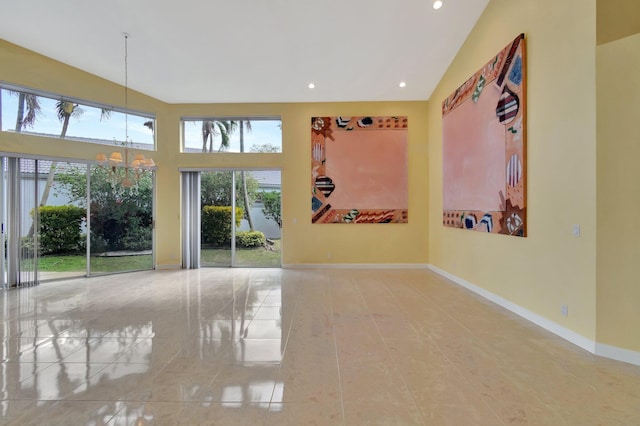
437,4
311,85
402,84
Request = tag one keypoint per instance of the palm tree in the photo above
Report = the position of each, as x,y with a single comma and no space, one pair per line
65,110
210,129
245,195
213,128
32,103
149,125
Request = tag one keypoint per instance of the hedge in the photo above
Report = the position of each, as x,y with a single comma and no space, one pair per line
250,239
60,229
216,224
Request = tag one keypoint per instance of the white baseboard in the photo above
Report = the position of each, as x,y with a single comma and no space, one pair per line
355,266
589,345
619,354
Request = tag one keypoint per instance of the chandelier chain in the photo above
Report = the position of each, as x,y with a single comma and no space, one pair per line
126,89
133,166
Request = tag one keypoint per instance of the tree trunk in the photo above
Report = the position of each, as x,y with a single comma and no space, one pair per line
20,117
47,188
245,195
65,126
247,208
52,170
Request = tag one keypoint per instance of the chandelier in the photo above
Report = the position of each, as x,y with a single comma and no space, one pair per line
134,165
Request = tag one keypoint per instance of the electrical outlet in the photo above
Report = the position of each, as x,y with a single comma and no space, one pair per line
565,310
576,230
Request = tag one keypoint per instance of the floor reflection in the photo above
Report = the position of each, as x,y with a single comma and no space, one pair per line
61,344
274,347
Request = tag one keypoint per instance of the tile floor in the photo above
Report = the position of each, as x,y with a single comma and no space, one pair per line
292,347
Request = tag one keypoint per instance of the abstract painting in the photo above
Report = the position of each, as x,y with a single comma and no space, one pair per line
359,170
484,147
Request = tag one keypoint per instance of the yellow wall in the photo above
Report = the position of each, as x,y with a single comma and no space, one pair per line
618,95
550,267
617,19
302,242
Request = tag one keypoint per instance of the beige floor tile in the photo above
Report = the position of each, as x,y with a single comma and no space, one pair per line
11,411
317,383
389,412
176,413
305,413
272,346
245,383
446,414
55,413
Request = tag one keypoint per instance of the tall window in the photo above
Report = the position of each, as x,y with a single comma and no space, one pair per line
47,114
230,134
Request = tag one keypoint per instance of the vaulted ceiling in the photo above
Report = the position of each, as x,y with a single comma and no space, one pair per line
199,51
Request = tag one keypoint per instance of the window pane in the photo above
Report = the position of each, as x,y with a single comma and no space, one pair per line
46,116
121,220
224,135
62,189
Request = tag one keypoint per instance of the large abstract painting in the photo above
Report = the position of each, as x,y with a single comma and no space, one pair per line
359,170
484,147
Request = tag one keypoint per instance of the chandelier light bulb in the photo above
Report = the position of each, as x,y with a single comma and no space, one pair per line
437,4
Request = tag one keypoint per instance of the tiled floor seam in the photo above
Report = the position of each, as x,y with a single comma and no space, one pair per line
386,348
335,345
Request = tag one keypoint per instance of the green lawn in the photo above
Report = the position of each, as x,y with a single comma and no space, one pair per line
209,256
260,256
98,263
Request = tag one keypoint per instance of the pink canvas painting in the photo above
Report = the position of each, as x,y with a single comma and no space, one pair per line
359,170
484,147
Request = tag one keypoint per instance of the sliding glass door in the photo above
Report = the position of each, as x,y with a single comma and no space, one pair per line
259,238
239,221
47,212
121,221
62,227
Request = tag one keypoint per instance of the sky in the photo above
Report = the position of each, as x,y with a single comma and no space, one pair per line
262,132
89,125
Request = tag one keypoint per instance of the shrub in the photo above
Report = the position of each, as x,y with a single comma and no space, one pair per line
60,229
216,224
137,239
117,213
98,244
250,239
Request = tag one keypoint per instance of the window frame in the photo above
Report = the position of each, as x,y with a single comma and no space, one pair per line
84,102
252,118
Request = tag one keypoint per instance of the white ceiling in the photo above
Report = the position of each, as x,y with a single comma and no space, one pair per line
251,50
